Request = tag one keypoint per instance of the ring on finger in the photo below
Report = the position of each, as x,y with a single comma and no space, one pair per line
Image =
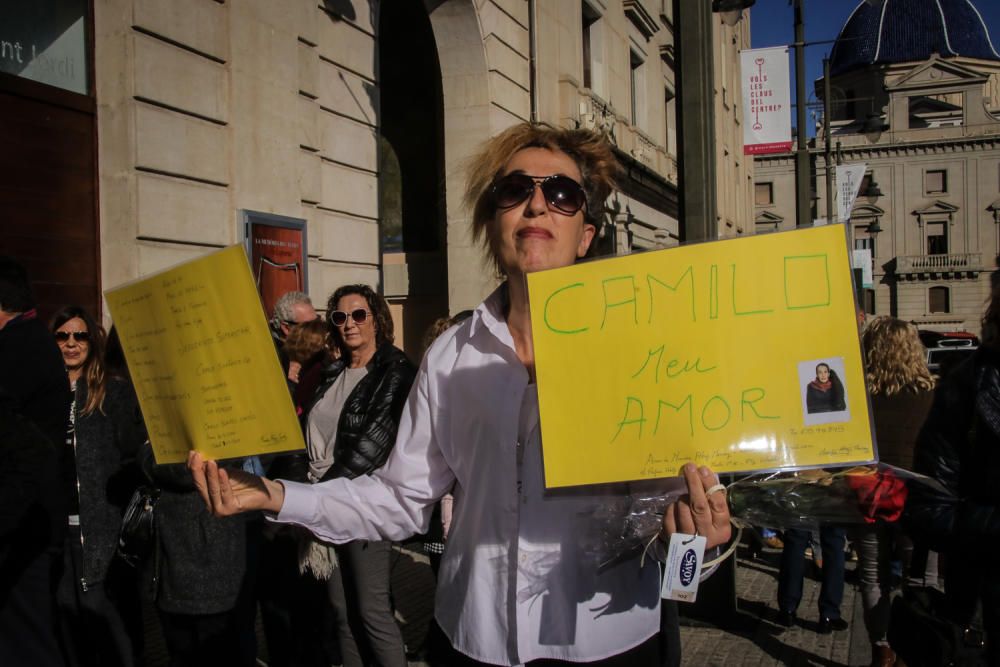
713,489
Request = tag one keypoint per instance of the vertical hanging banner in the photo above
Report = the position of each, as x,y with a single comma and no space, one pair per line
849,177
203,362
767,118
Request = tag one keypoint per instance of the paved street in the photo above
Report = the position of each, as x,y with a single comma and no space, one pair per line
751,640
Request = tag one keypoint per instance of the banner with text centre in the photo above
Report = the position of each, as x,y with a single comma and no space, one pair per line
202,360
740,354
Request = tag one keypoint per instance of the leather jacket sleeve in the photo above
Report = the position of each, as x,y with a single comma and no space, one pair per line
955,448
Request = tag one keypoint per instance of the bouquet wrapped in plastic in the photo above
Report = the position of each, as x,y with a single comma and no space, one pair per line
800,499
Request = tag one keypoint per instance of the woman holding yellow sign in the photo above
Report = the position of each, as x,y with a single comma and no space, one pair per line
515,584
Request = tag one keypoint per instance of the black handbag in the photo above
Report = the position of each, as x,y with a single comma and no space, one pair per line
922,633
137,536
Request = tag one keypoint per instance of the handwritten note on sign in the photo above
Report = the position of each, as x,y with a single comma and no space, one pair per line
741,355
200,354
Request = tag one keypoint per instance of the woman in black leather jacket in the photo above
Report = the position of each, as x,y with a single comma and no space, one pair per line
350,428
960,447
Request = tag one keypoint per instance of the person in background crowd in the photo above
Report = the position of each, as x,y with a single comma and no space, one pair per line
958,446
29,516
902,390
833,540
309,352
97,594
202,574
515,584
30,364
290,309
437,534
350,426
36,400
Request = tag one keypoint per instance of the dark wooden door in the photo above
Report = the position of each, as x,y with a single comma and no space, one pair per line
48,198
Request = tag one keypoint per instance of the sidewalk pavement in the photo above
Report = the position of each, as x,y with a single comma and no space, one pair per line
751,640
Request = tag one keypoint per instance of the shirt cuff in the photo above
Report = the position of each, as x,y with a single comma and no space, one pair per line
299,505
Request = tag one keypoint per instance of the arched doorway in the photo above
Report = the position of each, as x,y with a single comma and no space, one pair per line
413,214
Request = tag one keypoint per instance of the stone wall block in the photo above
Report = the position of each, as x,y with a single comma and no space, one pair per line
309,127
325,277
198,24
310,184
308,70
348,142
179,210
503,58
348,94
350,190
496,22
180,145
510,96
348,239
347,46
170,75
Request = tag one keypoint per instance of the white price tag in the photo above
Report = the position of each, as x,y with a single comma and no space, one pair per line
683,567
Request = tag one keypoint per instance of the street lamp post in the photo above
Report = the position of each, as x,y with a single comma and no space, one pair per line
803,213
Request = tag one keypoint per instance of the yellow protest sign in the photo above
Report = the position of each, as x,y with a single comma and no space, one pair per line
740,354
202,360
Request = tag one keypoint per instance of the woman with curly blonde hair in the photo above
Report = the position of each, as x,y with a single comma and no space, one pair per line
902,390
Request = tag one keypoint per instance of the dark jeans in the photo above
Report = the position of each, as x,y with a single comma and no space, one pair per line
101,625
793,562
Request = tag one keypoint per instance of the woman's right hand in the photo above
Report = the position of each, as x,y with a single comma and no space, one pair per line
229,492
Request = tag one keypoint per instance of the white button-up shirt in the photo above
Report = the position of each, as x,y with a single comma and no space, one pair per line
518,579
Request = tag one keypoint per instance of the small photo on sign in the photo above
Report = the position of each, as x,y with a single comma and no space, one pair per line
824,396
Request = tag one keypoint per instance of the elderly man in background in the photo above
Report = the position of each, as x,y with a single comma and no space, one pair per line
290,309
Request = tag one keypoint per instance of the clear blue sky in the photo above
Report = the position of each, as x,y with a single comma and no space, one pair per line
771,24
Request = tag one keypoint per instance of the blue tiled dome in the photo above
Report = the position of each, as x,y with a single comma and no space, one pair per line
894,31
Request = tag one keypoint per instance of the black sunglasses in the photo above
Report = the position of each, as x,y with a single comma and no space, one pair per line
561,192
78,336
339,317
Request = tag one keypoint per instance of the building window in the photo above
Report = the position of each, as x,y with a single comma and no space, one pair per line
937,238
863,239
670,118
590,44
637,83
935,181
938,300
869,301
763,194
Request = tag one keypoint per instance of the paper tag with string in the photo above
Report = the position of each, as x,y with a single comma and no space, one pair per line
683,567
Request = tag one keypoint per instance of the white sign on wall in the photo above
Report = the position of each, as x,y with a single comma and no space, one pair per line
767,118
849,177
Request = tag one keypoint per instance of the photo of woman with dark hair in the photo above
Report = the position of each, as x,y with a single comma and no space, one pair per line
825,393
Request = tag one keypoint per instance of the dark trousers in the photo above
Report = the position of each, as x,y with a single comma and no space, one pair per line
208,640
100,625
294,608
793,562
359,593
27,617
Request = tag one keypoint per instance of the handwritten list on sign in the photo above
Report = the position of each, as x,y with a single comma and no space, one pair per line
203,362
740,354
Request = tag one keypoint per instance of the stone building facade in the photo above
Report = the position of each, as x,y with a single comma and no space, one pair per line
916,98
355,117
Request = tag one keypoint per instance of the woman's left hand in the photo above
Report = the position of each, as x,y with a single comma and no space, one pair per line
699,512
